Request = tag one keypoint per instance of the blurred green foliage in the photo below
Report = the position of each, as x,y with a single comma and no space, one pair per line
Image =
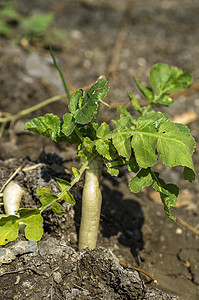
38,29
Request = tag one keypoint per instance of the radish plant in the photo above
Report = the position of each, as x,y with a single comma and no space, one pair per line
137,143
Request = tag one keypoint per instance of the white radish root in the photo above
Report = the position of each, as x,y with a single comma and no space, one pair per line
12,197
91,206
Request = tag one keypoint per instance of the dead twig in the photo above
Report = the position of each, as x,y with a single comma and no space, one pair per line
10,178
185,224
139,270
28,169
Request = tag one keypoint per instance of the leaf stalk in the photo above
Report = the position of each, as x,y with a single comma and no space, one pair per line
31,109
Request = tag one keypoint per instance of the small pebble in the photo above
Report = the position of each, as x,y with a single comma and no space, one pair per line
178,231
141,61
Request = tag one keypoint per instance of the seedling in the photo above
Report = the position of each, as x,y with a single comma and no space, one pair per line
137,143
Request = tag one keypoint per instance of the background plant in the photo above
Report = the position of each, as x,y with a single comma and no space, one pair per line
37,29
137,143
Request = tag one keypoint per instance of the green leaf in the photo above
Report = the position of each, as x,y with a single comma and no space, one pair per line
46,197
57,209
163,100
43,192
93,127
184,129
134,102
175,146
63,184
178,80
189,174
181,82
100,84
143,144
34,229
152,118
164,80
9,228
168,79
174,142
65,194
141,180
9,225
147,92
113,171
103,130
88,144
68,125
112,166
75,172
123,123
124,112
89,130
105,148
159,76
122,144
75,100
83,153
115,163
85,114
33,220
88,108
168,193
67,197
133,165
48,125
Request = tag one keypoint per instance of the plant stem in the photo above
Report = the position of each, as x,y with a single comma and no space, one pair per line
60,73
31,109
73,182
91,206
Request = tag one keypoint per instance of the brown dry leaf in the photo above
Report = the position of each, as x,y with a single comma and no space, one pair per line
185,118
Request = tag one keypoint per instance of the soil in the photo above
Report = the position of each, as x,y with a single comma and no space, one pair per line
134,229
